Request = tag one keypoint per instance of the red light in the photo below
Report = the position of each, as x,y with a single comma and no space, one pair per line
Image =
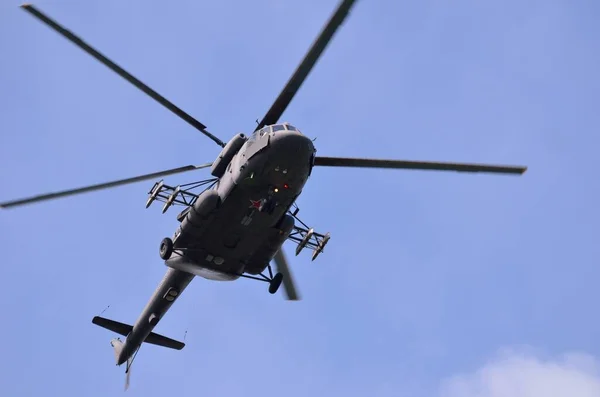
285,186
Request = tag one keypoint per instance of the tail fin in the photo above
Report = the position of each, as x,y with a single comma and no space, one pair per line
118,345
125,329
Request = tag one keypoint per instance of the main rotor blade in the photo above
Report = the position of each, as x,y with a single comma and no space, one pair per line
417,165
100,186
120,71
309,61
282,266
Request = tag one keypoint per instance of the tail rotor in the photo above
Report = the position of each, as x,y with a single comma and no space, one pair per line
118,346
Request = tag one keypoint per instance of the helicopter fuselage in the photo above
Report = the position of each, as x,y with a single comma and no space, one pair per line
237,226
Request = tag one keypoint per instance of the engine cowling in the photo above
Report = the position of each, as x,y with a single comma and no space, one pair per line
233,146
195,221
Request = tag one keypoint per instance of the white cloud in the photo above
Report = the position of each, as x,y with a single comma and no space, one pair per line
522,374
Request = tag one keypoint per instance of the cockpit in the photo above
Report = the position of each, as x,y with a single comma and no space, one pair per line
275,128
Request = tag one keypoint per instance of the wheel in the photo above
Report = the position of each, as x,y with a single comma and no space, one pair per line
166,248
275,283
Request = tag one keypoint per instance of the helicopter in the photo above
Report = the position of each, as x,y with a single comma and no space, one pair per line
233,225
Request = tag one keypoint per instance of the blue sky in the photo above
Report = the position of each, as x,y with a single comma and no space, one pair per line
433,284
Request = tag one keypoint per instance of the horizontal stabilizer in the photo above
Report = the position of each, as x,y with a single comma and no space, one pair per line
159,340
115,326
125,329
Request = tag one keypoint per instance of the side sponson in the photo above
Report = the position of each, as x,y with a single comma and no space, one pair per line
125,329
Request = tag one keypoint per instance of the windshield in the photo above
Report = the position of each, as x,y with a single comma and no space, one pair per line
274,128
256,134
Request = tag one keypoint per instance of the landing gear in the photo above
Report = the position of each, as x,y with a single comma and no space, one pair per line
275,283
166,248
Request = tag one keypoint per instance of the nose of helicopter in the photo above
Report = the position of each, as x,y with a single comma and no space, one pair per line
291,146
290,158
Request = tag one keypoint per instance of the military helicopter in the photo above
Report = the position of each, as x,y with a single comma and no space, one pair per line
234,224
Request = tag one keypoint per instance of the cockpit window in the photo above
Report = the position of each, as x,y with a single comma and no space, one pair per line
278,127
256,134
291,127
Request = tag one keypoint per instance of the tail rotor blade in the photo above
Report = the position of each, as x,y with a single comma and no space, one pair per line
282,266
120,71
128,374
101,186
